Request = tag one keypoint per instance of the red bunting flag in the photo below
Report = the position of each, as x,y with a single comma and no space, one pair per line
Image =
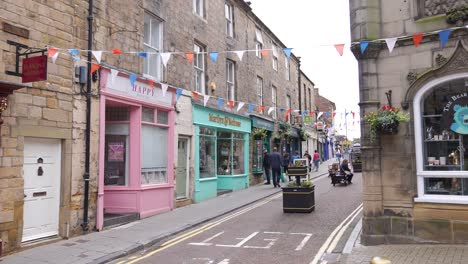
353,114
286,117
231,104
189,56
334,114
117,51
94,67
289,111
51,52
151,83
339,48
264,52
417,39
260,109
312,113
195,95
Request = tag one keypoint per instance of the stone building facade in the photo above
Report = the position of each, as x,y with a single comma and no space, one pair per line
309,105
325,135
414,181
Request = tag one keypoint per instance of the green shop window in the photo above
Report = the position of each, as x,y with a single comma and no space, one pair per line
207,153
230,156
257,158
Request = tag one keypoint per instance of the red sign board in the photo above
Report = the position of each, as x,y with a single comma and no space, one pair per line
34,69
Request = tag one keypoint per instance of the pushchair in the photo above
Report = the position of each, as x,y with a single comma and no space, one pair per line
336,176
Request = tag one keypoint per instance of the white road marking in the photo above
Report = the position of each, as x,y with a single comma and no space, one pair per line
340,234
304,241
204,242
274,233
238,245
224,261
272,242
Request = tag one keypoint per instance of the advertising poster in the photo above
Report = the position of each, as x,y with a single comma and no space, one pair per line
116,151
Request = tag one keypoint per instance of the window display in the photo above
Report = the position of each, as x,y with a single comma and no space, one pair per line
230,153
116,151
207,153
257,158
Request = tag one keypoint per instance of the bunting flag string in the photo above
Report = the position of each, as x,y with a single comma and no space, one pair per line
241,104
417,39
178,93
339,48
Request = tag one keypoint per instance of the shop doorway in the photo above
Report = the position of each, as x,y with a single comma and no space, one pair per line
41,172
183,161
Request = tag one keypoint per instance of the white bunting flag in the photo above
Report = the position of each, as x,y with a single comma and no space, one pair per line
319,115
241,104
97,54
391,43
164,89
240,54
205,99
271,110
165,58
114,74
54,58
297,111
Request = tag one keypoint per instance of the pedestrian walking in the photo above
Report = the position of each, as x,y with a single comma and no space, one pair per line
309,160
276,161
345,170
266,166
286,164
316,160
338,155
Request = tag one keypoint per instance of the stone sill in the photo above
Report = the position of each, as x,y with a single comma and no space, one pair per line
442,199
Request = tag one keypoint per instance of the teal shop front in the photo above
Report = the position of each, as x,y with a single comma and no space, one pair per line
221,152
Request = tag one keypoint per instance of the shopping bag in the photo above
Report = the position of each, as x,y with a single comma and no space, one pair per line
283,177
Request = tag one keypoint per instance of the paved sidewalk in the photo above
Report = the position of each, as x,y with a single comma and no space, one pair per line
102,247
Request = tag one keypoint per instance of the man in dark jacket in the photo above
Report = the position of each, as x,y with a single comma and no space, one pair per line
276,159
266,166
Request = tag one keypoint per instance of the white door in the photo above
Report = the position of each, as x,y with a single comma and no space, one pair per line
41,172
182,170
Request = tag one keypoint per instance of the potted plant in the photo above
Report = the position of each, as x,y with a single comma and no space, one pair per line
302,134
299,198
385,121
284,130
259,133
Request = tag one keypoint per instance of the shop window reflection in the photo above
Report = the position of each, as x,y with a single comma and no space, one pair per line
207,155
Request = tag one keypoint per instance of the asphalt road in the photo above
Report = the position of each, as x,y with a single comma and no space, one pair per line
262,233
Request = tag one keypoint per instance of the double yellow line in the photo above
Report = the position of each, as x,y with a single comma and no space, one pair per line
202,229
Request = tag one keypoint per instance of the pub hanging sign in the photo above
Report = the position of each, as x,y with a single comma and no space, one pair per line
34,69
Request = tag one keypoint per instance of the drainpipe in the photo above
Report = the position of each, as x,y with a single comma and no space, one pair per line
300,97
84,225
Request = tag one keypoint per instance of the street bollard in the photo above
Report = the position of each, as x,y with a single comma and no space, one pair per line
380,260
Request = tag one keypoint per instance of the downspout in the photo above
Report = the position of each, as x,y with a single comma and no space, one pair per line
300,97
84,225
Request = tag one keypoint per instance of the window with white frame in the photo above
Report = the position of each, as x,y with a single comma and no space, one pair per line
258,43
441,131
229,14
275,57
199,65
198,7
287,72
152,46
274,100
259,91
230,80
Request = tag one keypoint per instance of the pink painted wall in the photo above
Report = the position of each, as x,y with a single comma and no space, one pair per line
146,200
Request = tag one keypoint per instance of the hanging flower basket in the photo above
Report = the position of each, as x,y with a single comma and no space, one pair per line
259,133
385,121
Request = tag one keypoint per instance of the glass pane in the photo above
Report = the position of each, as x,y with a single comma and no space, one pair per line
155,33
222,134
445,186
206,131
238,135
147,114
115,156
119,113
238,157
153,155
147,29
163,117
257,159
224,157
207,157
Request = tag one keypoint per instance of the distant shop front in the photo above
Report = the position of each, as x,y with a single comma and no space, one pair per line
261,144
221,152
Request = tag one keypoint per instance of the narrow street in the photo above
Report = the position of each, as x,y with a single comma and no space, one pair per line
261,232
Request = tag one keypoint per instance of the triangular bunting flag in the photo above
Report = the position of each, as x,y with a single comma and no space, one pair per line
133,78
205,99
114,74
444,36
164,89
282,110
417,39
51,53
339,48
353,114
240,105
334,114
142,54
97,55
74,53
240,54
264,52
260,108
165,58
117,51
297,111
195,95
189,56
312,113
214,56
319,115
327,114
289,111
251,107
270,110
220,102
391,43
231,104
54,58
178,93
364,45
94,67
287,52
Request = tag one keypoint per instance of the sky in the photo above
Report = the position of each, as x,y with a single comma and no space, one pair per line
312,28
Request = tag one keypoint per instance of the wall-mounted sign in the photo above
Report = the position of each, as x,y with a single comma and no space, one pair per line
307,119
116,151
262,123
34,69
455,114
224,120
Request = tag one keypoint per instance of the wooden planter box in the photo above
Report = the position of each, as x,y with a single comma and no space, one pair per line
298,199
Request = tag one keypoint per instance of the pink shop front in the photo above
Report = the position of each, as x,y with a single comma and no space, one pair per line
135,151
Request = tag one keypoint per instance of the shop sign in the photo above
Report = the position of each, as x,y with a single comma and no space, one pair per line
34,69
139,90
261,123
455,114
225,120
294,132
307,119
319,126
